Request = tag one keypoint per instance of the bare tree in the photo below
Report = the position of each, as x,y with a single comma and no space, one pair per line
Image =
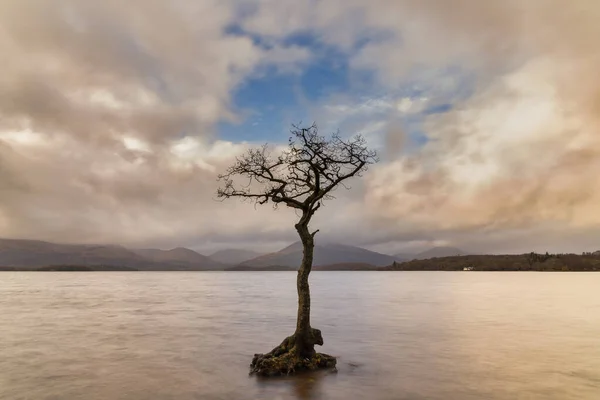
301,177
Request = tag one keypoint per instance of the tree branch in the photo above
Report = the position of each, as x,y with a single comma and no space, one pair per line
302,176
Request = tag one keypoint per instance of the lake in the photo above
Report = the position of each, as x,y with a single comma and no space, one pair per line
398,335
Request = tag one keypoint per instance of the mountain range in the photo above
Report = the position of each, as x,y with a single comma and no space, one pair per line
234,256
35,254
435,252
324,254
185,258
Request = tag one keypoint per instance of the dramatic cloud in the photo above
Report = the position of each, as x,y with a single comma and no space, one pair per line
486,115
519,154
107,114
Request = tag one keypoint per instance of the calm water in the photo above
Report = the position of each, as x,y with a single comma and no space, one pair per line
398,335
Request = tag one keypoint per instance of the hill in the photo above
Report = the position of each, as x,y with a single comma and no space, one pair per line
234,256
331,267
324,254
184,258
401,257
440,251
520,262
33,254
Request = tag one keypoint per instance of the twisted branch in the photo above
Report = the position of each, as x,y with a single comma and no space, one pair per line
303,175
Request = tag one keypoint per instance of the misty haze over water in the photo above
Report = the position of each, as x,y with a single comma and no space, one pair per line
409,335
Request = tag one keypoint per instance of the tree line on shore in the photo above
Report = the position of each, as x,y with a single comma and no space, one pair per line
520,262
509,262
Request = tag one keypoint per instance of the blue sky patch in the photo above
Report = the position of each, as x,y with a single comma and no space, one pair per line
332,94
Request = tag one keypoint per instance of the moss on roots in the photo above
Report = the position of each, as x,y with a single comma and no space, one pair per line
289,363
285,359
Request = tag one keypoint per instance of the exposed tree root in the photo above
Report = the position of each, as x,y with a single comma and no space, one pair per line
288,364
286,359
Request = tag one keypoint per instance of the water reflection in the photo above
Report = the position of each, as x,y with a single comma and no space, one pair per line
450,336
303,387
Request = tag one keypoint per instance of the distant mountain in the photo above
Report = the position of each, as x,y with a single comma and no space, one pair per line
324,254
440,251
331,267
189,259
19,253
234,256
35,253
404,257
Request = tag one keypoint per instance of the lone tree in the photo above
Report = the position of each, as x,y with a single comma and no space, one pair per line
301,177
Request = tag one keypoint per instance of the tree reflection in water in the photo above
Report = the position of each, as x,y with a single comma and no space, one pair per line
305,386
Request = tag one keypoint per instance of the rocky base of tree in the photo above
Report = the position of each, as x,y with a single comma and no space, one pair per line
289,363
286,360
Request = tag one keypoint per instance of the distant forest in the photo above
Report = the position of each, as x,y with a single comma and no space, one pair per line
520,262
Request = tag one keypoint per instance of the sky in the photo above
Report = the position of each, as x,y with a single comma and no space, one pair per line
116,117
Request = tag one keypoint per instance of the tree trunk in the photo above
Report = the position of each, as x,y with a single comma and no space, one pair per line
305,343
297,352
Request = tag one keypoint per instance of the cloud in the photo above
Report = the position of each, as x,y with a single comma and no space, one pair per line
516,154
99,196
152,69
108,113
